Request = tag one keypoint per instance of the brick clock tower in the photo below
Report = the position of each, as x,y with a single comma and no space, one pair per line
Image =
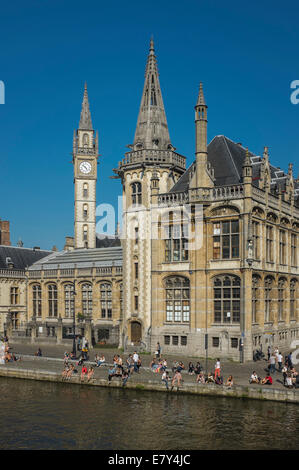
85,156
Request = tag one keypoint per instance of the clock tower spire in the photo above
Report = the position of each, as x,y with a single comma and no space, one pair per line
85,155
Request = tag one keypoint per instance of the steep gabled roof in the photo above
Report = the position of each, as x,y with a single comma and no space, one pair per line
20,257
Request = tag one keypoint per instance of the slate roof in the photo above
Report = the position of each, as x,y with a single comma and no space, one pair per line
107,242
82,258
226,158
20,257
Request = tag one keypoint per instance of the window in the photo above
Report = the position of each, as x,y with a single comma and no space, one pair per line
269,244
183,340
85,190
86,292
177,300
256,239
293,286
85,211
227,299
175,340
136,302
52,300
281,290
176,243
69,300
136,193
15,320
103,335
136,235
121,298
136,270
37,300
282,247
234,342
293,250
226,239
14,295
85,140
85,230
255,297
215,342
167,340
268,298
106,300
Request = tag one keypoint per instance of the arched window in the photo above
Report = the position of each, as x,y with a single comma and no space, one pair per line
86,291
268,298
85,211
136,193
227,299
85,190
177,299
69,300
85,140
52,300
106,300
37,300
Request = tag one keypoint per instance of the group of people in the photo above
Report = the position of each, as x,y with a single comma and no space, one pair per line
6,354
69,370
124,370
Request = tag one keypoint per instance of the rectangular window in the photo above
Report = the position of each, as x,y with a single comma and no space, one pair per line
136,302
183,340
215,342
269,244
175,340
293,250
282,247
226,240
234,342
176,243
167,340
256,239
14,295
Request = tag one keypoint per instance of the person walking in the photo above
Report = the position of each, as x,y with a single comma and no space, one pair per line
279,361
269,350
158,350
136,359
272,364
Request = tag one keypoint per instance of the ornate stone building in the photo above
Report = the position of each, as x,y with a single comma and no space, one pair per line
208,255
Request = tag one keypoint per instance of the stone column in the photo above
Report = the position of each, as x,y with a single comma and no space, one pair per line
59,331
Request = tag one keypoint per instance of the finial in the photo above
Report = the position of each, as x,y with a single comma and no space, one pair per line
152,47
266,153
201,98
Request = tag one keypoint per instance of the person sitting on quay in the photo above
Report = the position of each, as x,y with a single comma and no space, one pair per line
99,360
210,378
65,371
176,378
71,371
289,381
113,373
230,381
191,368
254,379
38,352
83,372
130,364
153,365
219,380
125,377
164,365
200,378
198,368
90,373
267,380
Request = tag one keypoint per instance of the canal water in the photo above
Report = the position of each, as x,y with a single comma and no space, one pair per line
40,415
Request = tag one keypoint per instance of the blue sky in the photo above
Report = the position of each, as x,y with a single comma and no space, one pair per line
245,54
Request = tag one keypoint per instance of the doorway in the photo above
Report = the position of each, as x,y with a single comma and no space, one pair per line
135,332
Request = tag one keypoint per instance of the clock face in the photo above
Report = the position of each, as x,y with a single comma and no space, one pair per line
85,167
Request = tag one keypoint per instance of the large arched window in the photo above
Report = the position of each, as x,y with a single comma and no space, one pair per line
52,300
227,296
86,291
136,193
177,299
106,300
37,300
69,300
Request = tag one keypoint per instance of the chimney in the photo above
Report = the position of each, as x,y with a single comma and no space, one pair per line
4,233
69,243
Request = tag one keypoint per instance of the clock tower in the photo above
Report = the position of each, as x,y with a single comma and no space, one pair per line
85,156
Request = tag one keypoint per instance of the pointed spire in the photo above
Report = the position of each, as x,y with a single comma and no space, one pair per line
152,130
85,118
201,98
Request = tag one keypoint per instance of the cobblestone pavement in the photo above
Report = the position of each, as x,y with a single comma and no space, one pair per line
52,361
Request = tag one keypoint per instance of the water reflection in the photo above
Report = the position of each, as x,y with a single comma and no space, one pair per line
61,416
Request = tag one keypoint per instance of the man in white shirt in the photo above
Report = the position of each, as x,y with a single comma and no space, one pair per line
135,359
279,361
